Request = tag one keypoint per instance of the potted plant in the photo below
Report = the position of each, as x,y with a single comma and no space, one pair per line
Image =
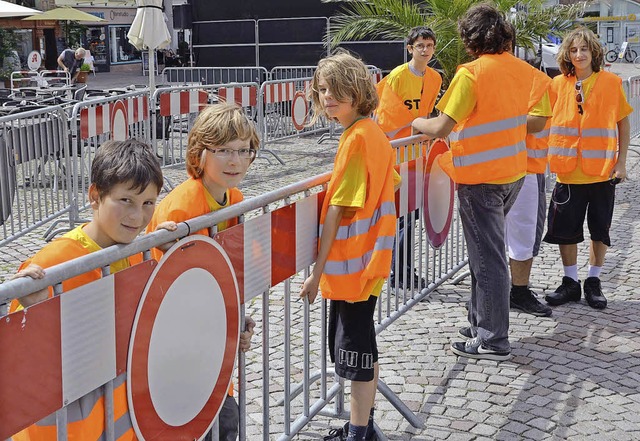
83,73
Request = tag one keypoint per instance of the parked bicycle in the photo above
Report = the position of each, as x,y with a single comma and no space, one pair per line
612,56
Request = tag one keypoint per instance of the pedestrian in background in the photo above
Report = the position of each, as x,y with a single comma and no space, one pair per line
70,61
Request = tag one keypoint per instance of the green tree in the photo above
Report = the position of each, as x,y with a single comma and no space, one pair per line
392,19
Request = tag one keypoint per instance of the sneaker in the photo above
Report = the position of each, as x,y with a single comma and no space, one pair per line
593,293
529,303
419,283
569,291
473,349
465,332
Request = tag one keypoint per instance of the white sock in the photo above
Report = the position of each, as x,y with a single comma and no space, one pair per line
594,271
571,271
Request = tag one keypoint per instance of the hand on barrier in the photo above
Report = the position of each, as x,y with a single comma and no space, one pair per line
310,288
245,336
169,226
35,272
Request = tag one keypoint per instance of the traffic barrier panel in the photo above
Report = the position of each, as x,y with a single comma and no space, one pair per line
632,90
215,75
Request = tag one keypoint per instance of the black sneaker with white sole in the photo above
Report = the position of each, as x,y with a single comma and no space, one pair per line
473,349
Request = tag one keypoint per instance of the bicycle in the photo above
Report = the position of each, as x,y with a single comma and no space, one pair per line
636,62
629,55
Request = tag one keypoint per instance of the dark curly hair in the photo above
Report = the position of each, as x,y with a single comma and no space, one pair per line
484,30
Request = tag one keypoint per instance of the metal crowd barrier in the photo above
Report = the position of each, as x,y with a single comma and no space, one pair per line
297,383
285,111
215,75
35,171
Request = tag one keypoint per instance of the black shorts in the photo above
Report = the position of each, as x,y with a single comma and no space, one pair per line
352,338
570,203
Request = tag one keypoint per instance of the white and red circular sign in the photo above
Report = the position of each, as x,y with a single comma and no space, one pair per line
119,121
299,110
438,197
34,60
184,342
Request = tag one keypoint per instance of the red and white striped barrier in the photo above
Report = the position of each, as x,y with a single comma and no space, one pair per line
279,92
183,102
244,96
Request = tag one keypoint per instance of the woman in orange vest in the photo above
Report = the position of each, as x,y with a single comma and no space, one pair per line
588,143
486,113
357,230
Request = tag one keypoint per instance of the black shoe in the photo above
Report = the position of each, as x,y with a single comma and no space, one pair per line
474,349
569,291
528,303
338,434
418,282
465,332
593,293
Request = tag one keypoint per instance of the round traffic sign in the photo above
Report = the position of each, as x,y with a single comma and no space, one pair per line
34,60
299,110
438,197
119,123
184,342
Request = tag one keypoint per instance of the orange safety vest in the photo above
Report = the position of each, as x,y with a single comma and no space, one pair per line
187,201
363,245
85,416
490,144
393,116
590,138
538,149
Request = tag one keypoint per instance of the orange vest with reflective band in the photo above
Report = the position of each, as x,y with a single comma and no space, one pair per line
363,245
85,416
538,149
393,116
187,201
490,144
590,138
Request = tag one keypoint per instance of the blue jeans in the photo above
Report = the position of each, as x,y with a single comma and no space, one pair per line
483,208
399,249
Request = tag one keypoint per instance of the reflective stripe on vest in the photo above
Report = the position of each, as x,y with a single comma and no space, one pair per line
569,152
599,133
392,133
564,131
489,155
541,134
354,266
362,226
488,128
598,154
537,153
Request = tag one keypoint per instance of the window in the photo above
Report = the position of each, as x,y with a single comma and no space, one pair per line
121,50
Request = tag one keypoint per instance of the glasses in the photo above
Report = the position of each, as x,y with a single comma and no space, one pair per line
579,97
228,153
421,47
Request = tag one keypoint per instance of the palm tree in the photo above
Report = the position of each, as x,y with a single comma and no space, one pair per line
392,19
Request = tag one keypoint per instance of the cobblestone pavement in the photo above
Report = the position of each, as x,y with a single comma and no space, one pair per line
574,375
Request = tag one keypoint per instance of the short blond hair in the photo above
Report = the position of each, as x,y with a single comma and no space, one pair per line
349,80
217,125
564,53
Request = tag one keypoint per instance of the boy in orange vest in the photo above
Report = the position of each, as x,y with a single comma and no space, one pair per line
408,92
125,182
487,113
357,225
222,144
589,139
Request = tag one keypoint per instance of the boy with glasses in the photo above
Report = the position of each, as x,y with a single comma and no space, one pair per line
408,92
221,146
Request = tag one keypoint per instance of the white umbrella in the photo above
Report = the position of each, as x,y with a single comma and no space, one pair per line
8,9
149,31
